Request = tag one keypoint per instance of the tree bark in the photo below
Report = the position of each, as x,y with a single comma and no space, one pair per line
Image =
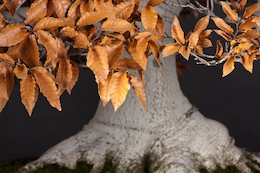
172,137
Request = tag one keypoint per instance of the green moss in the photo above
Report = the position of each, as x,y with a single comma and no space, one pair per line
109,166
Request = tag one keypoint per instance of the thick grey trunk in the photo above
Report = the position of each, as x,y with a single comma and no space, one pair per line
173,136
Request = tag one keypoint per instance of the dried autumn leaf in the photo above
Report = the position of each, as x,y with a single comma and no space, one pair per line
185,52
37,11
177,32
205,33
202,24
68,32
47,86
86,6
6,59
235,5
62,52
155,2
51,22
199,49
222,25
126,64
64,75
248,24
117,25
73,11
241,48
142,75
251,10
219,50
139,89
193,40
242,4
105,7
232,15
228,67
81,40
29,93
247,61
158,32
92,32
12,5
205,42
12,34
97,61
61,7
3,102
50,45
155,50
74,79
29,52
3,82
137,50
114,51
224,35
90,18
170,49
20,71
2,22
250,34
119,88
103,90
14,51
149,18
124,10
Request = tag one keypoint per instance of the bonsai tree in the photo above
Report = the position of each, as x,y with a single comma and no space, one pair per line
152,123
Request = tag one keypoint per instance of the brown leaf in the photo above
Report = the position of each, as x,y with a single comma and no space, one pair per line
139,89
86,6
105,7
124,10
170,49
205,33
251,10
126,64
224,35
81,40
2,22
12,34
185,52
247,61
199,49
20,71
205,42
29,93
114,51
232,15
61,7
142,75
250,34
3,102
248,24
29,52
193,40
6,81
90,18
137,50
222,25
92,32
50,45
228,67
74,79
104,91
155,50
73,12
219,50
51,22
202,24
241,48
97,61
155,2
37,11
242,4
47,86
11,5
149,18
177,32
49,8
6,59
14,51
64,75
117,25
68,32
235,5
119,88
62,52
158,32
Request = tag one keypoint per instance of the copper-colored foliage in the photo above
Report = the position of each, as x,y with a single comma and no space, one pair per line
12,34
219,50
2,22
104,90
29,51
3,102
138,87
185,52
74,79
12,5
73,10
170,49
248,24
29,93
205,33
222,25
61,7
250,34
205,42
47,86
235,5
251,10
20,71
126,64
193,39
224,35
98,63
155,50
86,6
105,7
228,66
202,24
155,2
117,25
199,49
51,22
119,88
50,45
37,11
242,4
68,32
149,18
6,59
247,61
64,75
177,32
90,18
114,51
62,52
158,32
137,50
81,40
241,48
124,10
231,14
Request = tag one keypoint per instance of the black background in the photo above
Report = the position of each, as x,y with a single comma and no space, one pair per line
233,100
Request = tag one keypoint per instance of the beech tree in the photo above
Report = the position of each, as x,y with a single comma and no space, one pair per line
127,44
